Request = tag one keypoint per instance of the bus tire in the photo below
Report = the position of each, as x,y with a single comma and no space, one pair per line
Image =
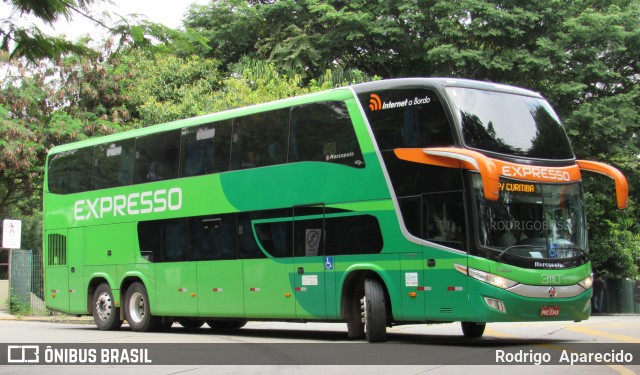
226,324
191,323
105,313
473,330
137,309
375,311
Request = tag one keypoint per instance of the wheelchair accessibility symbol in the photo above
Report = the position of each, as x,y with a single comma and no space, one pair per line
328,263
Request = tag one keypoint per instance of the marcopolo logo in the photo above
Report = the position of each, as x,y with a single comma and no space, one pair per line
136,203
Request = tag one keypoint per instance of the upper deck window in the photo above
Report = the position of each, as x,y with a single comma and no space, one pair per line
510,124
407,118
319,132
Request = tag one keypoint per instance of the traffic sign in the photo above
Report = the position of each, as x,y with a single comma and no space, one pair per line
11,233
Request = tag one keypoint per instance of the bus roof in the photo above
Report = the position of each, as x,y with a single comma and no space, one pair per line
340,93
441,82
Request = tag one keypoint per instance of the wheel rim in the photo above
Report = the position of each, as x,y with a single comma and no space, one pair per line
136,307
365,313
104,306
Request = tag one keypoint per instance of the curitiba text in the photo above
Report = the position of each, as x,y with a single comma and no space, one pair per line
145,202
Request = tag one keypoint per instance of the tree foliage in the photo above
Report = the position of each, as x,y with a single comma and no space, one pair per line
29,41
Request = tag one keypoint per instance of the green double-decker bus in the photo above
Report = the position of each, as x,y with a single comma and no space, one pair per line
418,200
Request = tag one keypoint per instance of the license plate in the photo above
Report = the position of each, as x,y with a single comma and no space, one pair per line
550,311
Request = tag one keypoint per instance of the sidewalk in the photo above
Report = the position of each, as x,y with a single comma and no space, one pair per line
56,318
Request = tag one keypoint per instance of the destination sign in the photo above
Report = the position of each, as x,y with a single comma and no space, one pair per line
517,187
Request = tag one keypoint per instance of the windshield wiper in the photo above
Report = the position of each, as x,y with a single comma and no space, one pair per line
573,248
534,247
515,247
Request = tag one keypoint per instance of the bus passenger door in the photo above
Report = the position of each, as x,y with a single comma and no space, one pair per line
309,263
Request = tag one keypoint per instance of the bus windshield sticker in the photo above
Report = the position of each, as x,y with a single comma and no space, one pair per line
114,150
205,134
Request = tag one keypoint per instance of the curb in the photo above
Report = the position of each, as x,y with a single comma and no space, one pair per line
49,319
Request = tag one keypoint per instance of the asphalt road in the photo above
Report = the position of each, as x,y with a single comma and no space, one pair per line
323,348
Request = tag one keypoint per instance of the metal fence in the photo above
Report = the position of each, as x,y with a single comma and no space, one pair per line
27,282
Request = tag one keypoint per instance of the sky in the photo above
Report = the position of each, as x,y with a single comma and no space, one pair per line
167,12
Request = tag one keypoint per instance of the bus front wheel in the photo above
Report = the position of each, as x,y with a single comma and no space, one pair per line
375,311
473,330
105,313
138,311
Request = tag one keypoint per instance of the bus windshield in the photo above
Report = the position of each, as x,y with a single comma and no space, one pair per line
510,124
531,220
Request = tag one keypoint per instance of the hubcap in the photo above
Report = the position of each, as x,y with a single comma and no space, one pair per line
364,307
103,306
136,307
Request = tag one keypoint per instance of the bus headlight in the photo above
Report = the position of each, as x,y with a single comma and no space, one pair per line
486,277
586,283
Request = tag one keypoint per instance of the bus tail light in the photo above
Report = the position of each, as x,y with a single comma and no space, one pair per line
495,304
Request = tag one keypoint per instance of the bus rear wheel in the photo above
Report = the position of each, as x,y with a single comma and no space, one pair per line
105,313
375,311
473,330
138,311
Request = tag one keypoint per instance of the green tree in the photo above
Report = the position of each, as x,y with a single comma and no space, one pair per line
29,41
43,104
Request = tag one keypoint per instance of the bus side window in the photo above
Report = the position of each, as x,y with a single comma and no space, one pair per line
212,237
205,149
157,156
273,230
247,246
358,234
444,219
70,172
113,165
150,240
323,132
260,139
175,240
